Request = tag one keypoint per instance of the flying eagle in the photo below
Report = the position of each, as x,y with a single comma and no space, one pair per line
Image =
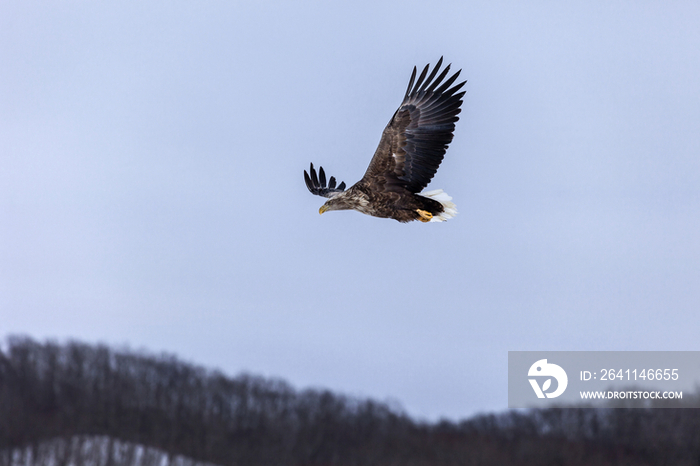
412,146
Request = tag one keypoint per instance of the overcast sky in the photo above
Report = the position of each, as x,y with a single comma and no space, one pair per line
151,187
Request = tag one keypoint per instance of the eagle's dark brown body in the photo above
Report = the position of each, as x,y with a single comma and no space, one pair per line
412,146
385,204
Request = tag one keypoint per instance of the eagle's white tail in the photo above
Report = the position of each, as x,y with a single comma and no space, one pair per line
450,209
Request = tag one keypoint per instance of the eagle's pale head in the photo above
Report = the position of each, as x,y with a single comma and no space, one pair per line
341,201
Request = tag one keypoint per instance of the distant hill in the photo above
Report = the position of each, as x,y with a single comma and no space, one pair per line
81,405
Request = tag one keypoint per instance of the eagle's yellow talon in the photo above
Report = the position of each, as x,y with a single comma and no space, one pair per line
425,216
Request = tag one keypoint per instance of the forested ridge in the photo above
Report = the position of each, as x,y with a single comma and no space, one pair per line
59,399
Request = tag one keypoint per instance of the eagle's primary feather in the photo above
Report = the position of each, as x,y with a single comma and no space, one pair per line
412,146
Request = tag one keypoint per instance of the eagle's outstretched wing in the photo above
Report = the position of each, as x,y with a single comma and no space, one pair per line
415,140
317,184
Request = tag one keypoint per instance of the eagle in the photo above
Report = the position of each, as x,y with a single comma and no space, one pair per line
409,153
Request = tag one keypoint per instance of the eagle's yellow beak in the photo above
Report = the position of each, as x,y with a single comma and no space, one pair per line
323,208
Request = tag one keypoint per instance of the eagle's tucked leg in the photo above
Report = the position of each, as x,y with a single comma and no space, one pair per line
425,216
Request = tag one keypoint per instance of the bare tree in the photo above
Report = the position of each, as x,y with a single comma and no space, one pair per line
75,405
